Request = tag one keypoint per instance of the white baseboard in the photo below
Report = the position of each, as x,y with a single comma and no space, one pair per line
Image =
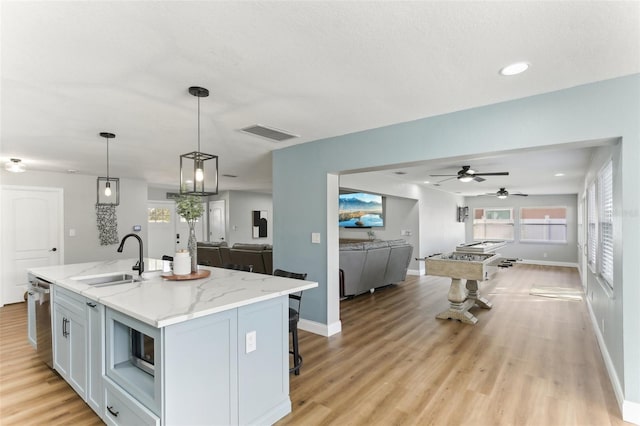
548,263
314,327
415,272
630,410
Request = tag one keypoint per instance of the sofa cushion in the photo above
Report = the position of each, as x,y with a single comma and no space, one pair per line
257,247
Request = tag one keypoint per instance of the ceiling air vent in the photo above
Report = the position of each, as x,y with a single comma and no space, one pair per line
268,133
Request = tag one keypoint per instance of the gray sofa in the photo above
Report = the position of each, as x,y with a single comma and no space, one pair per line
369,265
260,256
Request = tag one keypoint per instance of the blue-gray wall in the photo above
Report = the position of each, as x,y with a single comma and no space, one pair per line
601,110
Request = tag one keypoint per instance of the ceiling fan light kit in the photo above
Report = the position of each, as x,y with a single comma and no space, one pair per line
108,188
193,175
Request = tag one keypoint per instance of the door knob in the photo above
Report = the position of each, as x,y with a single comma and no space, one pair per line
54,249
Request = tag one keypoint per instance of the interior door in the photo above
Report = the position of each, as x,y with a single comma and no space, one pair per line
182,230
217,215
161,228
32,236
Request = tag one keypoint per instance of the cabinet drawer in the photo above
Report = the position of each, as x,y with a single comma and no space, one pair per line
122,409
72,301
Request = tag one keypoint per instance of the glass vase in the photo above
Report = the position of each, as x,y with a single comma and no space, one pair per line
192,246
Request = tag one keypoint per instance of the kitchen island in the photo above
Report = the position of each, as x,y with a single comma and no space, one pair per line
215,350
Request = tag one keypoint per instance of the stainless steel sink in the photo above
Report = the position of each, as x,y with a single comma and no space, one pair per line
106,280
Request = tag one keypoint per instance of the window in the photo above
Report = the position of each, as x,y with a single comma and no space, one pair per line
605,221
493,224
600,224
592,227
158,215
543,224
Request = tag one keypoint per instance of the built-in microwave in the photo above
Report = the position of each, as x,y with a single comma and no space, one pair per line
141,351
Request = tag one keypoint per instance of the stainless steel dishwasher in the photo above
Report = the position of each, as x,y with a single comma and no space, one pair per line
42,291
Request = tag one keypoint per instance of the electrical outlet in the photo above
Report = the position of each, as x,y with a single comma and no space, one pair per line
251,341
544,254
315,237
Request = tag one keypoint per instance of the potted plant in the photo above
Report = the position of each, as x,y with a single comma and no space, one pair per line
190,208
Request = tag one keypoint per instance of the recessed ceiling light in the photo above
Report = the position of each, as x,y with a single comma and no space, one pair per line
559,174
426,181
72,171
513,69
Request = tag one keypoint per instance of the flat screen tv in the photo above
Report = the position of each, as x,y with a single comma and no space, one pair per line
361,210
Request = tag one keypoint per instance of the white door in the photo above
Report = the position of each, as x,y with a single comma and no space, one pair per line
182,230
161,229
217,221
32,236
166,231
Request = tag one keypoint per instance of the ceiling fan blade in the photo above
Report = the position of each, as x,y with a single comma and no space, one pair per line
478,179
492,174
449,178
522,195
443,175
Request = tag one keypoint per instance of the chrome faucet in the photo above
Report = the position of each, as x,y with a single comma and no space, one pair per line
140,265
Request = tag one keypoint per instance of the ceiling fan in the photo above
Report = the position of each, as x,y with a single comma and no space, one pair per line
467,175
503,193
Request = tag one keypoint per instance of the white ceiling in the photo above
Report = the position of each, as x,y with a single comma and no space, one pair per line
316,69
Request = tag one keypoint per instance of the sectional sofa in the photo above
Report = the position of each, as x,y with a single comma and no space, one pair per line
260,256
365,266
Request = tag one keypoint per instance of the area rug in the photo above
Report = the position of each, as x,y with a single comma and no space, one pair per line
562,293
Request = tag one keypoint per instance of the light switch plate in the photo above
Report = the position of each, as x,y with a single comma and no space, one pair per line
315,237
250,341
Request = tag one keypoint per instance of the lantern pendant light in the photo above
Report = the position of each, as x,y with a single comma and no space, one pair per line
193,175
108,190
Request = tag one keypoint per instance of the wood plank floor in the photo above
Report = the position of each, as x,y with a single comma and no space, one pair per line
529,361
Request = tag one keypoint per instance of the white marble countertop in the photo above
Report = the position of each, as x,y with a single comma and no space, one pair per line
159,302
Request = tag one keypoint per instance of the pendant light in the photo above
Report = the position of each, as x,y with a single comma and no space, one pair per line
108,189
194,178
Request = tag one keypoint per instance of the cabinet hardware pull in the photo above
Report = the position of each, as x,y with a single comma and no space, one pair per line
31,293
115,413
65,333
91,305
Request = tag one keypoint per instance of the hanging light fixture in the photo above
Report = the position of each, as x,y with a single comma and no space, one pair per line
193,175
15,165
108,187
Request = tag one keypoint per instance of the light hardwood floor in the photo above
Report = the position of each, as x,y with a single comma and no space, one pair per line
529,361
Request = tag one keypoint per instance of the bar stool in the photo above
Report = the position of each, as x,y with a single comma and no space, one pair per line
294,317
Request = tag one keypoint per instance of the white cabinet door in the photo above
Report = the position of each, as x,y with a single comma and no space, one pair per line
95,355
70,347
61,345
78,351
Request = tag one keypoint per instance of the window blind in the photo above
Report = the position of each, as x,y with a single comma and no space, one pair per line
605,215
592,227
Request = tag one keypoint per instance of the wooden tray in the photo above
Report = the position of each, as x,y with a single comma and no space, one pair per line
202,273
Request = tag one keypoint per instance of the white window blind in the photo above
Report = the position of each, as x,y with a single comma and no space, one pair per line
592,227
605,215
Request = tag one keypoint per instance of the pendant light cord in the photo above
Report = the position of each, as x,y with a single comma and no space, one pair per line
107,159
198,125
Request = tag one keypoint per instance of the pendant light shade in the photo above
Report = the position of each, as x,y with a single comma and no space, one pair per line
198,175
108,188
